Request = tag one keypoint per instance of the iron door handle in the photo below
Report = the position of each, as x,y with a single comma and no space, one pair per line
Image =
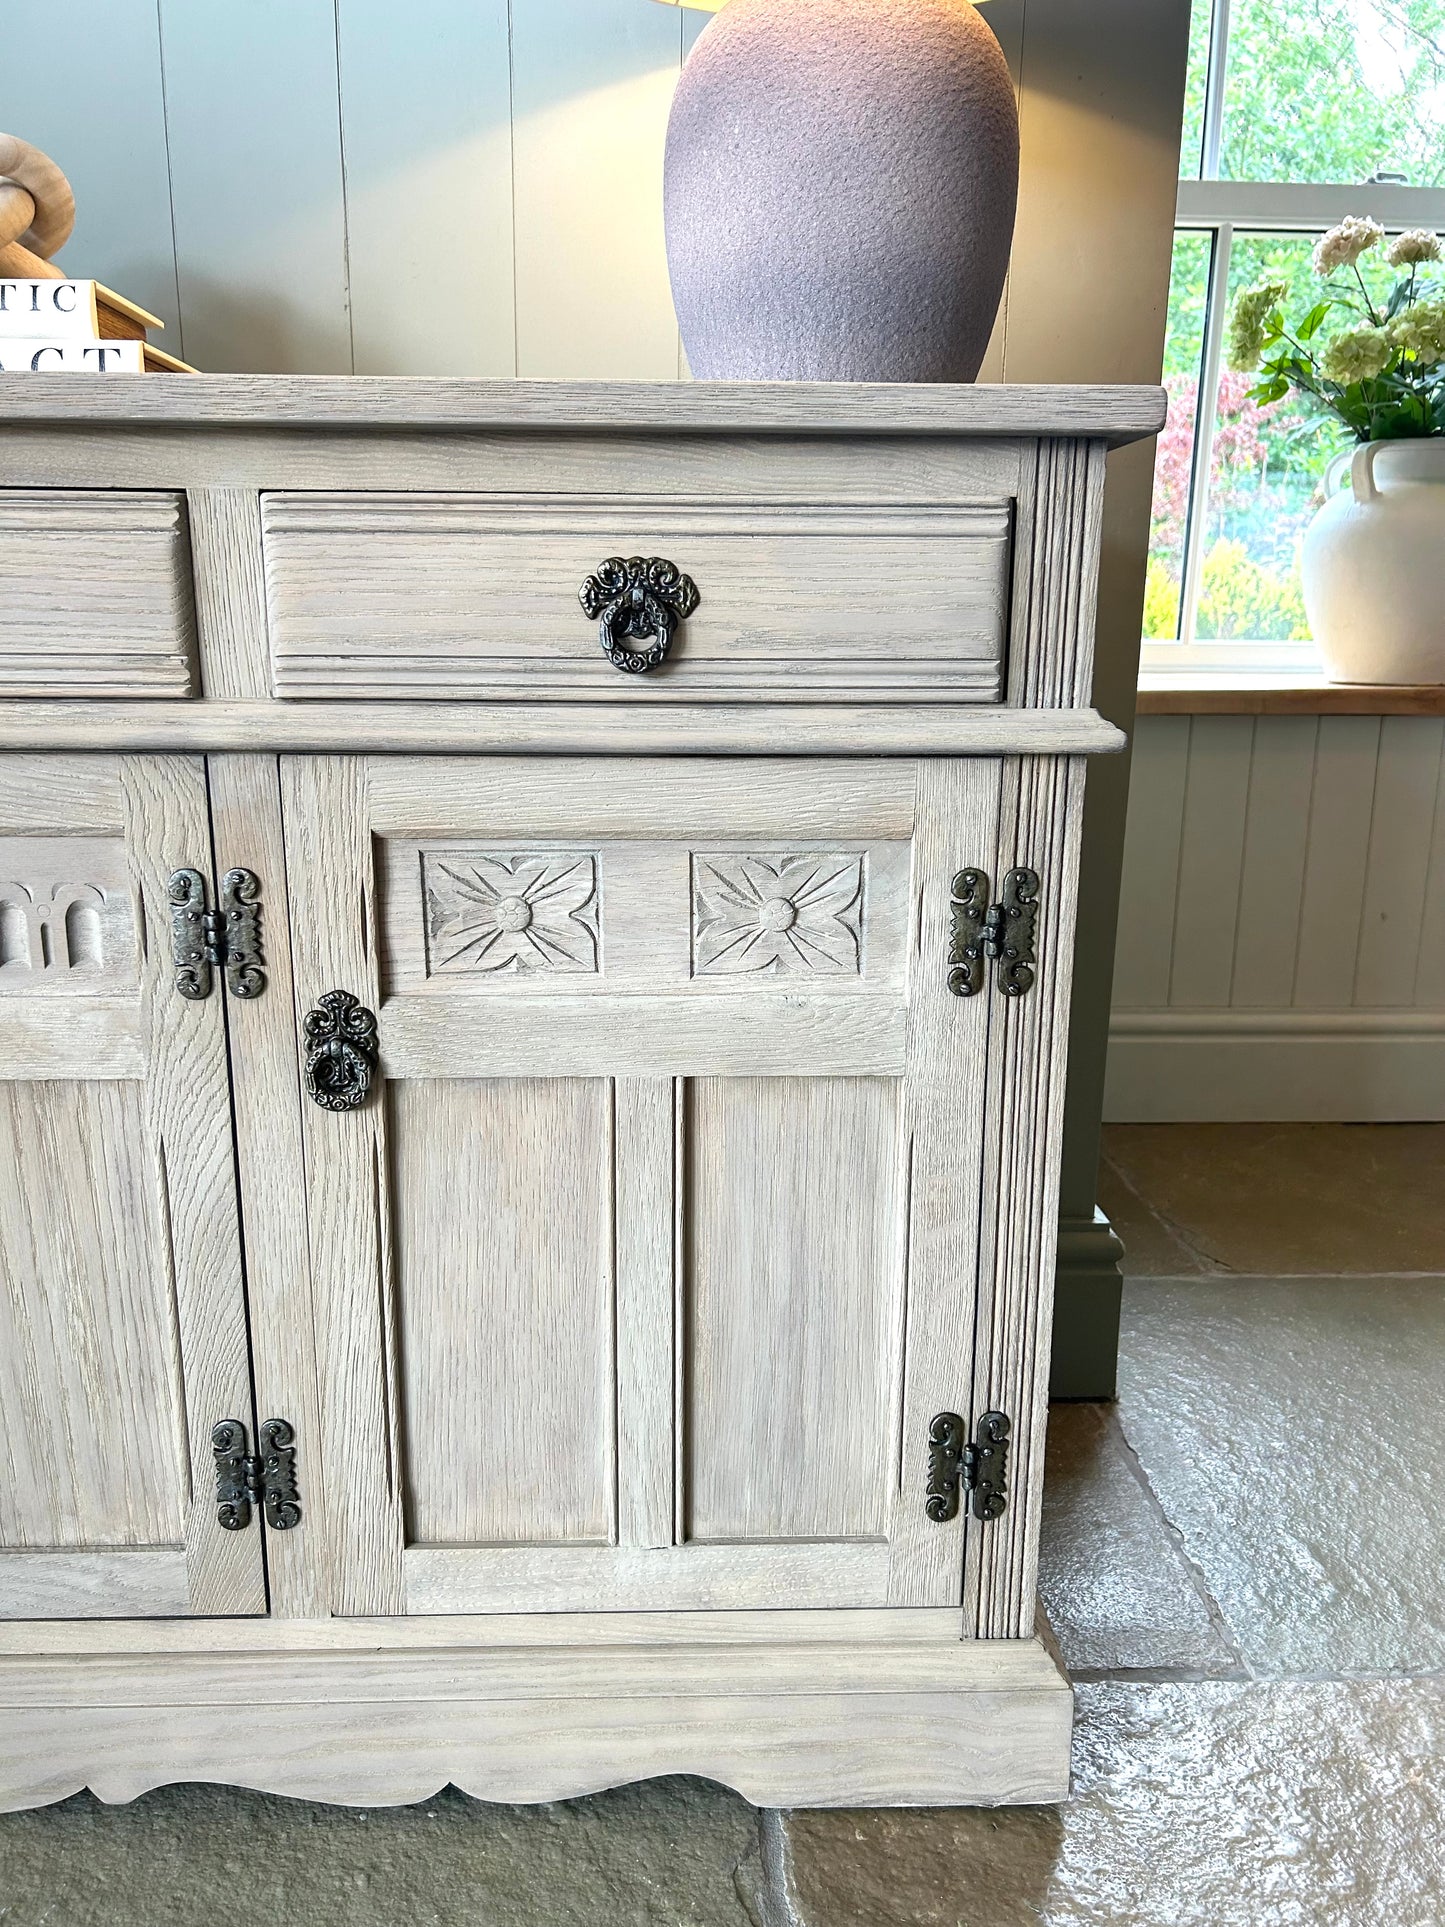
340,1052
637,603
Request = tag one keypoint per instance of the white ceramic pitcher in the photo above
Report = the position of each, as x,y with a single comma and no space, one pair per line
1373,566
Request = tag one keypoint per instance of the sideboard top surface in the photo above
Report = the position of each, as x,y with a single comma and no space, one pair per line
1113,414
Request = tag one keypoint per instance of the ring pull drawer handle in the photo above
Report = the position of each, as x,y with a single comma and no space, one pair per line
340,1052
637,603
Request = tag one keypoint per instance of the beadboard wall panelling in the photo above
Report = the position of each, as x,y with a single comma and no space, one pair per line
592,82
465,187
87,88
1282,938
426,118
1336,850
256,183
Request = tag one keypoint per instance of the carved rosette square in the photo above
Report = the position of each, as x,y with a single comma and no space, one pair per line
525,915
795,915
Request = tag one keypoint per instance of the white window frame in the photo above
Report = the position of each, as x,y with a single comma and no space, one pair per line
1218,209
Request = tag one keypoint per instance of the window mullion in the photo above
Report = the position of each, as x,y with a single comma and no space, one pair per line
1206,408
1213,139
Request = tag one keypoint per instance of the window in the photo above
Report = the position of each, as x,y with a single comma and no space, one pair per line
1297,113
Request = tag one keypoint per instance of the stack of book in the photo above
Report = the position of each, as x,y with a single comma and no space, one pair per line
50,327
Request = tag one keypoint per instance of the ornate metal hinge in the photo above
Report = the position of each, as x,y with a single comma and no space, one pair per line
1002,932
228,938
979,1468
266,1478
637,602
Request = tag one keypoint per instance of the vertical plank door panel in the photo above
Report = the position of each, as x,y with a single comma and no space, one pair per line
331,888
246,814
642,1314
502,1208
792,1237
122,1317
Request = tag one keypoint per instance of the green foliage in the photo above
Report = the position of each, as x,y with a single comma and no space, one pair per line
1381,369
1331,90
1161,602
1239,599
1188,302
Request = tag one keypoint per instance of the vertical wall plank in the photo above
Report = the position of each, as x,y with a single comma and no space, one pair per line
1276,838
427,143
592,84
1151,862
86,87
255,145
1407,783
1329,926
1430,969
1211,852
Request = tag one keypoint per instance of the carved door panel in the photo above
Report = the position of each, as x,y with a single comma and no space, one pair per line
649,1256
122,1316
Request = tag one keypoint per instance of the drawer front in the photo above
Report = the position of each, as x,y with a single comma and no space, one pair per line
455,596
95,594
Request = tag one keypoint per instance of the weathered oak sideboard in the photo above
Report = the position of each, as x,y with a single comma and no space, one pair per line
534,951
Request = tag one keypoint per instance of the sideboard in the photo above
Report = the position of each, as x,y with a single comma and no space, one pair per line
535,928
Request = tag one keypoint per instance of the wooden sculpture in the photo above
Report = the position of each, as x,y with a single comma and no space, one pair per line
37,211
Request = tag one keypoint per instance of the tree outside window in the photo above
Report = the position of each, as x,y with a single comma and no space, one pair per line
1296,114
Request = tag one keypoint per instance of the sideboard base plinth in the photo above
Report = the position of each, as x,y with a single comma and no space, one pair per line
861,1723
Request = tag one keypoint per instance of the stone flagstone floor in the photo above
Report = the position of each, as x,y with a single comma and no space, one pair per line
1242,1562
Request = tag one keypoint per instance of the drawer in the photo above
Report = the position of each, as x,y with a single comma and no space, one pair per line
95,594
457,596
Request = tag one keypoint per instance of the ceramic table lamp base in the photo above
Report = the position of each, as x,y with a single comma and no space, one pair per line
840,191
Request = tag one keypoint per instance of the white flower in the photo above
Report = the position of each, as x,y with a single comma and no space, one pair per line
1247,324
1415,244
1420,331
1344,245
1359,354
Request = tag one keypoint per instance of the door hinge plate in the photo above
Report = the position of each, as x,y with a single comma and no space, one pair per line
227,938
1001,933
957,1465
266,1478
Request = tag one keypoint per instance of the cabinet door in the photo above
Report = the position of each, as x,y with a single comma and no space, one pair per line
645,1267
122,1321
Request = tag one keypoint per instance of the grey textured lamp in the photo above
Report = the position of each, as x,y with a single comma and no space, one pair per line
840,188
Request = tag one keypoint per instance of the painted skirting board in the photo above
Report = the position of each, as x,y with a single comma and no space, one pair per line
1088,1290
1174,1066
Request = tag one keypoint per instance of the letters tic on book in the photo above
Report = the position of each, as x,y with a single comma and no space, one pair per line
53,327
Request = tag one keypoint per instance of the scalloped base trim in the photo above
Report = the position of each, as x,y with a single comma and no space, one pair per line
861,1724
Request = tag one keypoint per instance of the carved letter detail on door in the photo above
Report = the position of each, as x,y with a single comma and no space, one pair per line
795,915
65,914
489,912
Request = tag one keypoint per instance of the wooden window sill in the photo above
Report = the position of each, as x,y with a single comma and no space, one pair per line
1196,693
